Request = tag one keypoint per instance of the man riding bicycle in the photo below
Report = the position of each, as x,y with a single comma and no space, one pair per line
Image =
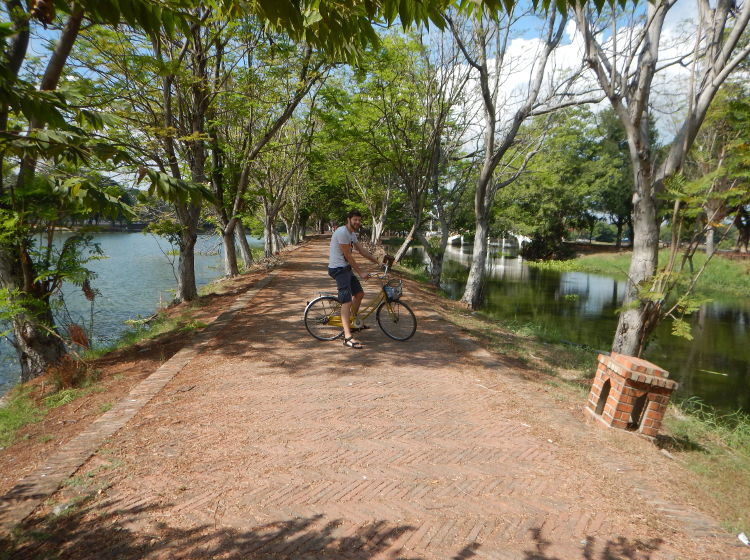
342,266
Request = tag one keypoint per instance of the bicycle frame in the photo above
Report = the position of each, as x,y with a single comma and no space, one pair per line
363,314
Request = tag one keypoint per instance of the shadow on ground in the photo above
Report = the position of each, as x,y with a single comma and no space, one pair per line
618,549
83,532
678,443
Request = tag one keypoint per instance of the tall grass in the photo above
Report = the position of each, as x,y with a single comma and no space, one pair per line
700,422
716,447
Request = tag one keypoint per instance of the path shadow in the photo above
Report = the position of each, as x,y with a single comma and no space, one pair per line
84,532
619,548
680,443
104,531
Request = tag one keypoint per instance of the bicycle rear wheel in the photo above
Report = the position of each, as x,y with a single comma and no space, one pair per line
323,318
396,320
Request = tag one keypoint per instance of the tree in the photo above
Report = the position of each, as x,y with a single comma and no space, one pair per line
504,154
718,164
625,61
280,167
611,173
342,155
267,79
50,129
555,194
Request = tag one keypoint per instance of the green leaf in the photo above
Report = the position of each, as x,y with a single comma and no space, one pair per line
682,329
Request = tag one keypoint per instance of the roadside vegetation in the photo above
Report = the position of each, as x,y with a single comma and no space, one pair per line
716,447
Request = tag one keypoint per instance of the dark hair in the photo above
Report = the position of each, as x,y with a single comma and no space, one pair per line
353,213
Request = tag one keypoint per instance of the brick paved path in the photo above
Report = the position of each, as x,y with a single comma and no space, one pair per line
270,444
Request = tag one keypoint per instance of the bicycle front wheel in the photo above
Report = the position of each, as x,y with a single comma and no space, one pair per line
396,320
323,318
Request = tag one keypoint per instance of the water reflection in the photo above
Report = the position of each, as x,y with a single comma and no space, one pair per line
581,308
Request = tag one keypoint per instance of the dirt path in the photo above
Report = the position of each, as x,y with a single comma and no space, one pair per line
270,444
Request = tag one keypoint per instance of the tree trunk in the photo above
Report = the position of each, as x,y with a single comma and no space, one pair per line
269,240
632,327
436,258
618,242
278,242
710,240
245,251
473,292
186,288
377,231
407,242
35,339
295,233
230,252
37,347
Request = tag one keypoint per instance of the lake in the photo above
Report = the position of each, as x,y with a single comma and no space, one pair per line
579,308
133,281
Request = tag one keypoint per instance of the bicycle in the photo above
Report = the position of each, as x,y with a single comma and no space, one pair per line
394,317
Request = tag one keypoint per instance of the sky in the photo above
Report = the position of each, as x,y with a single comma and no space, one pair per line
669,84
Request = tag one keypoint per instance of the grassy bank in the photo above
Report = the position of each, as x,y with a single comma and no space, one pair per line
714,447
721,277
61,385
30,403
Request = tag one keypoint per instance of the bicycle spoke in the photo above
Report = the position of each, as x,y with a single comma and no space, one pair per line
323,318
396,320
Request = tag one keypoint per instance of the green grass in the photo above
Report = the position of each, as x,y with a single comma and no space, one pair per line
192,326
418,274
105,407
721,277
18,411
139,332
62,397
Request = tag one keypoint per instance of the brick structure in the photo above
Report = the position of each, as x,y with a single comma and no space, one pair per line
630,393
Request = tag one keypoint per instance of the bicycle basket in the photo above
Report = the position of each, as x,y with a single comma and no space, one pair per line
392,290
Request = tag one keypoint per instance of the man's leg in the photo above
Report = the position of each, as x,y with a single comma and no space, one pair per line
346,316
343,277
357,294
356,302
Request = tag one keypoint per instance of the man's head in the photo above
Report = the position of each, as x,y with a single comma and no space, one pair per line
354,219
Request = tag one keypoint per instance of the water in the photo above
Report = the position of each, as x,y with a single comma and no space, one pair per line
134,279
581,308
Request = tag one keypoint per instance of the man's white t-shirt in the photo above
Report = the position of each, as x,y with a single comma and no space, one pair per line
342,236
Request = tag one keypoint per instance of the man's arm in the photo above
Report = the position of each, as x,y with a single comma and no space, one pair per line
346,249
365,253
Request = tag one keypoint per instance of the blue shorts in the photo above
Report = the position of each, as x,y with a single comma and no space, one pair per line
347,284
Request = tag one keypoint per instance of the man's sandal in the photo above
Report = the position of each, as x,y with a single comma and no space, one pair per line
352,343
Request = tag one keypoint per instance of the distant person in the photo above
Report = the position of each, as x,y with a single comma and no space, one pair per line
341,267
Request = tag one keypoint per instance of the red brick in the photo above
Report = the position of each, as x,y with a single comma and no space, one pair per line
626,408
